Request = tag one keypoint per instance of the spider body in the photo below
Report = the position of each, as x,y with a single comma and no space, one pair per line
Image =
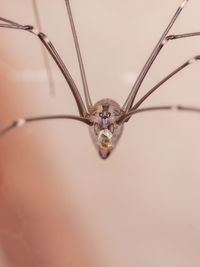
105,132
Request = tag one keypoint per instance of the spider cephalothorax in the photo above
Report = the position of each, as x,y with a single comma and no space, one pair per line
105,132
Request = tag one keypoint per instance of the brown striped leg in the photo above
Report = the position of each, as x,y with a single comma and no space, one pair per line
22,121
80,61
49,46
44,54
163,40
187,63
127,116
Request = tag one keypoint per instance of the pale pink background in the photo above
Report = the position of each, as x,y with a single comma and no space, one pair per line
60,204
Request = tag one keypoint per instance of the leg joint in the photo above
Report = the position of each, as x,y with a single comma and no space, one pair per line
32,29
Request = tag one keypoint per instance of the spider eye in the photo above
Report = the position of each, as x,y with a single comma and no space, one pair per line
108,115
100,114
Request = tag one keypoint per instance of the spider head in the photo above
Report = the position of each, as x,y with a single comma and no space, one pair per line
105,132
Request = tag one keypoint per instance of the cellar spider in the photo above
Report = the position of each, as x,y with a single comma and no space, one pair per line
106,118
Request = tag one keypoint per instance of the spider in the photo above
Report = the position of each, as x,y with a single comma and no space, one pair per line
106,118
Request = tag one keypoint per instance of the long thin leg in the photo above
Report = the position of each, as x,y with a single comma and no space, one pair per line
187,63
44,54
123,119
49,46
9,21
80,61
21,122
130,100
180,36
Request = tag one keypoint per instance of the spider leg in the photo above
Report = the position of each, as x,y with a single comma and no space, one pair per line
163,40
127,116
22,121
44,54
187,63
80,61
49,46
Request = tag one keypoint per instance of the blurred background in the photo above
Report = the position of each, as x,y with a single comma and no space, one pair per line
60,204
